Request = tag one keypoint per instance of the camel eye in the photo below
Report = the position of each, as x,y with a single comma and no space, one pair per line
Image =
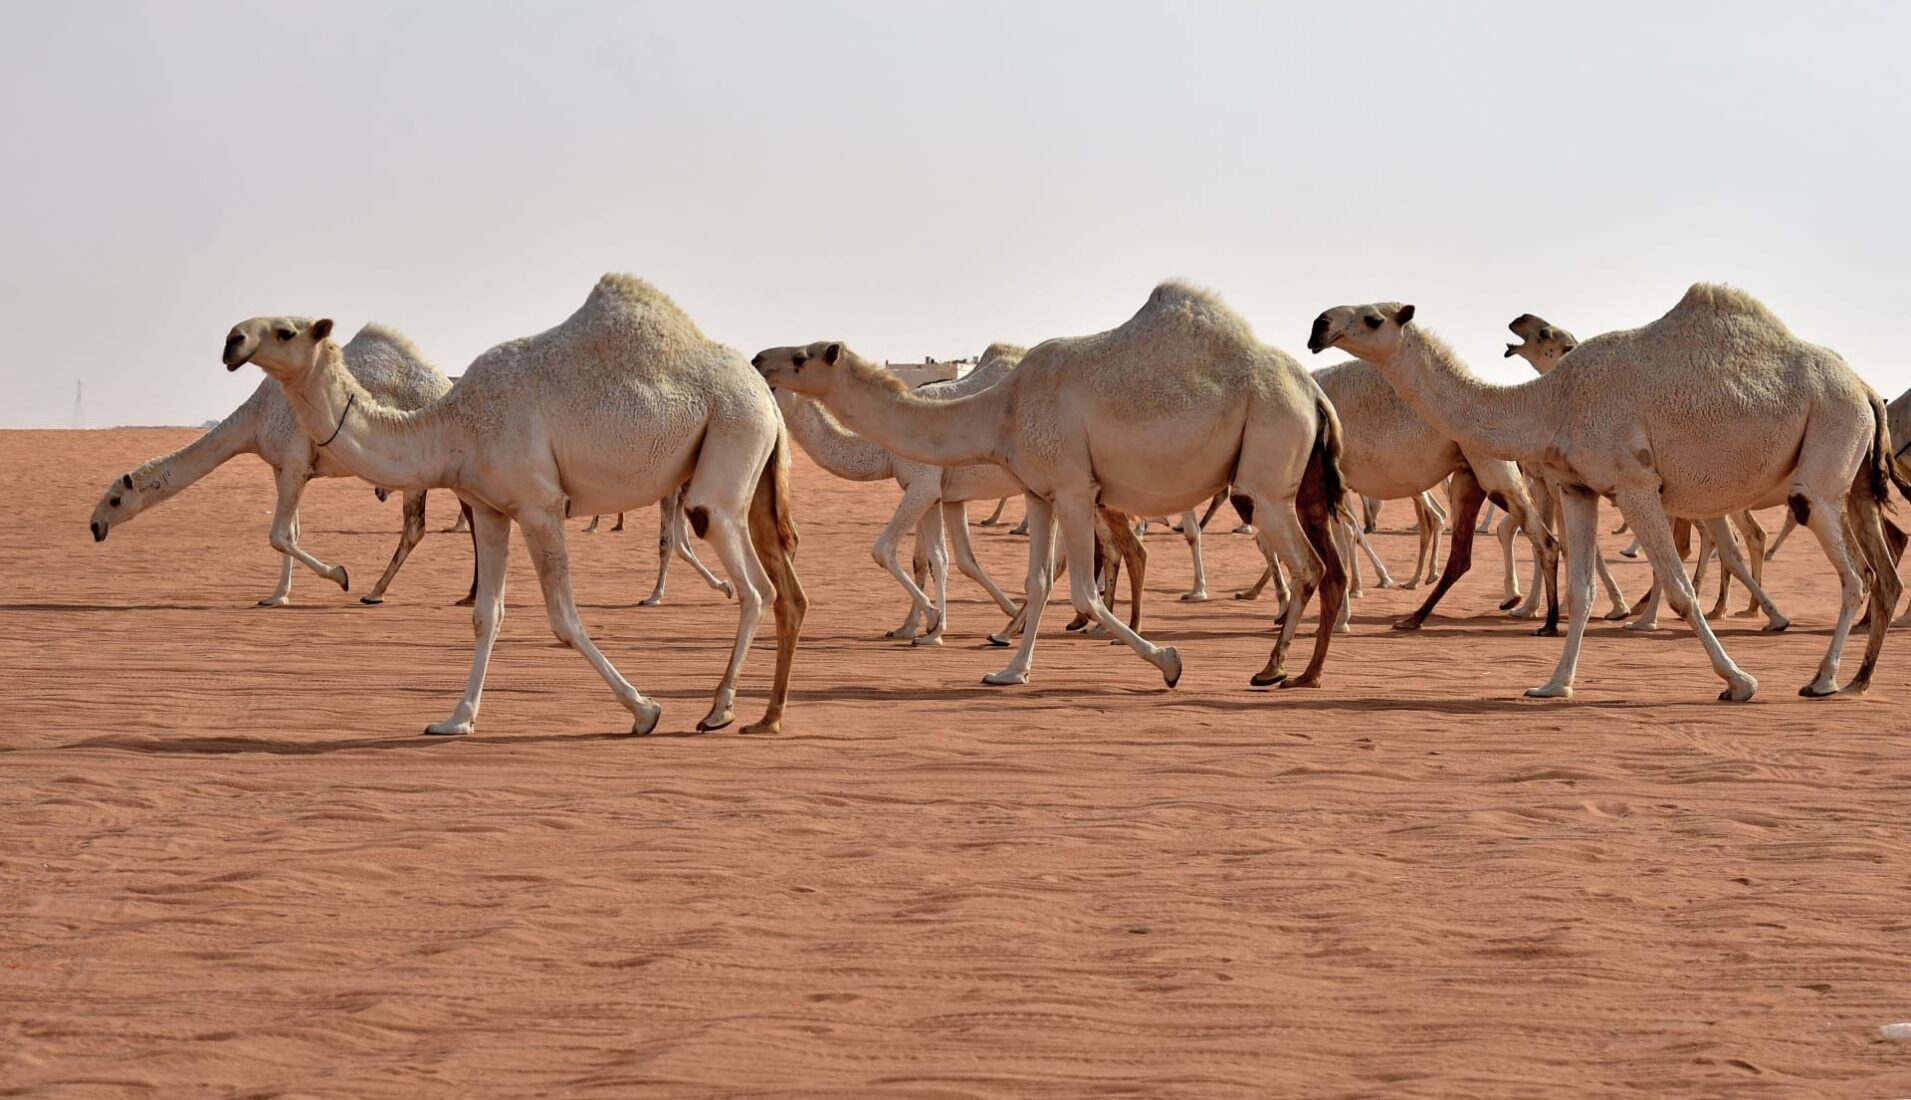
286,334
796,361
1372,321
114,502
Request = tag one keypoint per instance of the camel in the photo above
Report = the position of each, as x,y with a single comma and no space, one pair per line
1150,418
613,409
1543,345
1713,408
934,498
1392,451
384,363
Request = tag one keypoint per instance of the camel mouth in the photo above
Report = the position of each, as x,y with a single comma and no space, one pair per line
235,364
1511,351
1317,340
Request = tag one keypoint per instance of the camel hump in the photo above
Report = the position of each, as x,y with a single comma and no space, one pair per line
376,335
627,294
1716,298
1000,350
1178,304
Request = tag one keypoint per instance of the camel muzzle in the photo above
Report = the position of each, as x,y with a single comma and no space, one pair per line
1317,340
99,531
1511,351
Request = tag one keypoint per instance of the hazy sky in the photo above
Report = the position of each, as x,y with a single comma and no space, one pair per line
922,178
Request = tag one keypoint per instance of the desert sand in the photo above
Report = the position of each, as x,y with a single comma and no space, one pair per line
230,866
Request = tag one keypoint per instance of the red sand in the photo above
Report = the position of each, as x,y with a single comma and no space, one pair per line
229,865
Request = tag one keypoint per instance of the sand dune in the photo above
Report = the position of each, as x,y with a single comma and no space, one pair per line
229,865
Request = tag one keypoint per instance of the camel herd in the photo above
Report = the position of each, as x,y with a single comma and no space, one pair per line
1693,420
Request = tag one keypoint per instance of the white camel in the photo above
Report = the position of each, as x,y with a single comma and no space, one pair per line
673,539
1150,418
1713,408
384,363
612,409
1543,345
933,500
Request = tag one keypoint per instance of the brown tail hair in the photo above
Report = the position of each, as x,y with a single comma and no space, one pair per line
1883,466
773,491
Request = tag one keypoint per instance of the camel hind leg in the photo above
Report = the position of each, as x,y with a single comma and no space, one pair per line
1039,515
1645,511
1880,555
1191,530
1732,563
1076,513
955,521
775,548
715,504
1468,496
408,537
290,483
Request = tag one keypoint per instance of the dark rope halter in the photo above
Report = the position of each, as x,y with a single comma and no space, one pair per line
347,411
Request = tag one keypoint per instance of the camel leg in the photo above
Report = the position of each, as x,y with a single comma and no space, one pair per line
1825,518
1524,516
790,604
1013,629
1880,552
679,530
1369,515
1579,519
1732,563
591,528
1277,527
1383,579
1345,546
1648,607
285,530
1191,530
544,538
929,541
1707,547
1791,522
1486,520
1509,562
464,518
955,522
1040,517
1620,609
1424,531
1467,499
995,517
1107,567
620,524
1645,511
1129,552
491,533
1754,533
916,500
282,595
408,537
665,547
1077,519
1632,551
729,535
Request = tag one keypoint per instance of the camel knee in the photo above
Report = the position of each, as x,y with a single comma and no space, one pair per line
283,541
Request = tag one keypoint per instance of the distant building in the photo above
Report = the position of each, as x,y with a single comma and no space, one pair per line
929,370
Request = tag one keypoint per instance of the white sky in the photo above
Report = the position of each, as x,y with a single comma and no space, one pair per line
922,178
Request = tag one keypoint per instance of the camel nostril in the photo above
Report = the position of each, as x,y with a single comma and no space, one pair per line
99,531
757,362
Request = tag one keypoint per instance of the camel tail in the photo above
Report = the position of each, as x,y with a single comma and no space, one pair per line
773,492
1330,447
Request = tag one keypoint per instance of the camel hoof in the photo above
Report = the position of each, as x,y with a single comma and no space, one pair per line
728,592
768,725
1510,602
650,601
708,723
344,579
1809,691
1856,687
1194,597
1170,665
1776,626
1409,586
926,639
275,601
900,635
371,601
468,601
1005,678
1247,595
1343,628
1617,614
1748,613
1267,677
1550,630
647,715
1628,553
1739,690
448,728
1522,613
1641,626
1407,624
1303,682
999,641
1550,691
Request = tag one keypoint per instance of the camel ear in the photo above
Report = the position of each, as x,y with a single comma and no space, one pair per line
1403,315
126,480
831,353
321,328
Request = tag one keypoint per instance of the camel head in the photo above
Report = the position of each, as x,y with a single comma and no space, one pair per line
1540,344
811,370
1369,332
284,347
119,503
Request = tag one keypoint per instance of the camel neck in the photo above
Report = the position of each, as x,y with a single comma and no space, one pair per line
955,432
167,475
389,447
1510,422
830,445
